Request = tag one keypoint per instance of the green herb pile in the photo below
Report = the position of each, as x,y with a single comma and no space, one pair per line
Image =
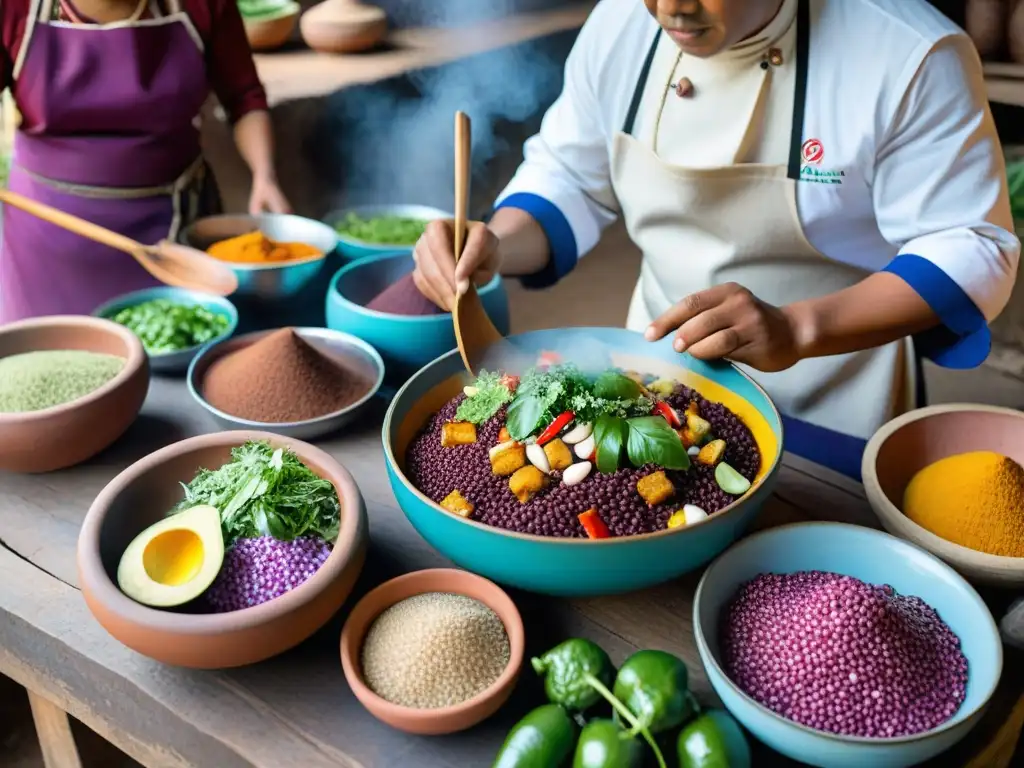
265,491
261,9
165,326
618,407
1015,178
381,230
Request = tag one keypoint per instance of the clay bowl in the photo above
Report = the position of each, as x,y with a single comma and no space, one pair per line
583,567
142,494
359,357
909,443
432,722
270,31
59,437
343,26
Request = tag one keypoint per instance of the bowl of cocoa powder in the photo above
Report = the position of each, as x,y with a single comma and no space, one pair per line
298,382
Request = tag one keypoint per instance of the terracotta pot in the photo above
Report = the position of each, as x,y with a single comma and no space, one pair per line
343,26
266,33
432,722
142,494
1015,33
59,437
986,24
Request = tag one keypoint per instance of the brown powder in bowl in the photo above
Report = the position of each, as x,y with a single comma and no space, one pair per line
434,650
282,378
402,297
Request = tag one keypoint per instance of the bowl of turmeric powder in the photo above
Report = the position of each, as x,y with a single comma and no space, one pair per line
273,255
950,479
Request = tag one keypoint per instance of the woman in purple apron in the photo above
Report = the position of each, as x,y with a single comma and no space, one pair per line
110,93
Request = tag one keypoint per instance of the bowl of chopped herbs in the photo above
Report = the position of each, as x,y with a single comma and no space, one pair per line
222,550
172,323
369,230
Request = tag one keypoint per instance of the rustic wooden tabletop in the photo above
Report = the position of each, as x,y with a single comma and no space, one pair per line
296,711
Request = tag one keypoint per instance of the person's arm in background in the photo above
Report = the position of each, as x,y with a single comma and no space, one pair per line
940,193
233,77
560,199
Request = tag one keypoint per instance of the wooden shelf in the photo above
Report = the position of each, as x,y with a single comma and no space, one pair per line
1005,82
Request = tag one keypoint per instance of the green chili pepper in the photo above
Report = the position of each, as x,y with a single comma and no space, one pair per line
603,744
713,740
653,686
563,669
542,739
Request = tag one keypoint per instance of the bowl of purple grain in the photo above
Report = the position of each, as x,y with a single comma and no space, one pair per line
222,550
376,299
842,646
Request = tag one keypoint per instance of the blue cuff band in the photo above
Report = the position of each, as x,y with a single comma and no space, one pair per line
963,340
839,452
561,239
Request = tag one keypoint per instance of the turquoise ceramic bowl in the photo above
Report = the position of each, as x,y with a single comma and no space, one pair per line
174,362
406,343
874,557
580,567
352,249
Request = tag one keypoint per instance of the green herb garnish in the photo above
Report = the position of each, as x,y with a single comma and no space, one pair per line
651,440
609,437
265,491
382,230
491,394
613,385
166,326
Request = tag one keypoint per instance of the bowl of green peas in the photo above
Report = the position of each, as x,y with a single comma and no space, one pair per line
172,323
369,230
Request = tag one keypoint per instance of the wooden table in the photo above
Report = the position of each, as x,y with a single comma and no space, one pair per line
296,711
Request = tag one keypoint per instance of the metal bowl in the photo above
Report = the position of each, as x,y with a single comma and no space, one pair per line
267,281
357,249
333,343
174,362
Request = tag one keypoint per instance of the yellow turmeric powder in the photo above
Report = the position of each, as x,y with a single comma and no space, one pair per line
972,499
257,248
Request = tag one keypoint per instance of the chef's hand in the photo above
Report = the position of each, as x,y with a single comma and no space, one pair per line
728,321
267,196
436,274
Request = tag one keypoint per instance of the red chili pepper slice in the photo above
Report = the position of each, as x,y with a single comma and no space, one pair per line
594,525
547,359
668,412
551,431
511,383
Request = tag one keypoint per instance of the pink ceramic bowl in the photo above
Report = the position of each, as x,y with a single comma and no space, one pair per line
432,722
911,442
143,493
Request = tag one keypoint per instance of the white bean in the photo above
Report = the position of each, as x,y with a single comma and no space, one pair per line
693,514
538,458
578,434
693,450
576,473
586,448
470,391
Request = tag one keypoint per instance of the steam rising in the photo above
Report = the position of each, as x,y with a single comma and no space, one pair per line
398,134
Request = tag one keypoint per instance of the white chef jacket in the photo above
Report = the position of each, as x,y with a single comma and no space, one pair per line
910,176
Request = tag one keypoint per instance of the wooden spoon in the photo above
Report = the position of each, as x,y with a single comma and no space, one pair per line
474,330
168,262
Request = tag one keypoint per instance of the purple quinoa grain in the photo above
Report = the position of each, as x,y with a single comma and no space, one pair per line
437,471
261,569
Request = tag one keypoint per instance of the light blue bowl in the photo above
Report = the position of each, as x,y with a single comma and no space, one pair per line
174,362
353,249
267,281
876,558
580,567
406,343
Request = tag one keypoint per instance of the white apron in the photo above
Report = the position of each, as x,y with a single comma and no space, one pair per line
700,227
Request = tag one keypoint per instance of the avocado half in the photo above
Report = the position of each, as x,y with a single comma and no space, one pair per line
174,560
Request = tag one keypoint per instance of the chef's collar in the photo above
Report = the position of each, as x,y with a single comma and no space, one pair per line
754,48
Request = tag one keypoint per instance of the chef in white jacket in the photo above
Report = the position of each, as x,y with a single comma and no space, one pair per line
816,186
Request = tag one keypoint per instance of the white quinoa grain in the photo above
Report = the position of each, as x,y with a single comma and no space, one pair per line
434,650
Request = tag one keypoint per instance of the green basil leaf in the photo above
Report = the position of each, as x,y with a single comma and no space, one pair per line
652,441
612,385
524,416
609,435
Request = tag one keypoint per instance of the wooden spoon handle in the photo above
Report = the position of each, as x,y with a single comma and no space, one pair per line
463,140
71,223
